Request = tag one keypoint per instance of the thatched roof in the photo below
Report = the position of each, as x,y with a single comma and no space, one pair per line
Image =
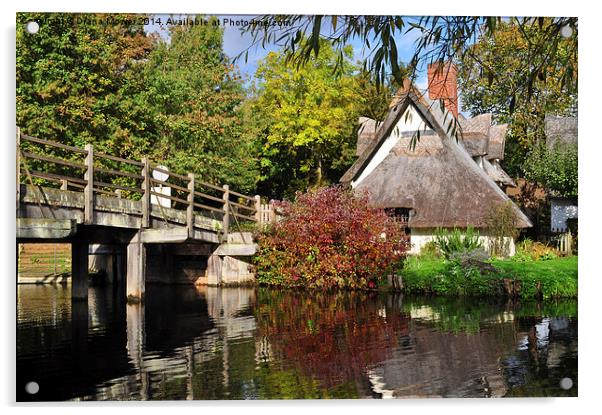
475,134
365,133
560,129
497,140
438,179
497,174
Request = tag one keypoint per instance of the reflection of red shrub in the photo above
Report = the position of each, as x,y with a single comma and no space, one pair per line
330,238
331,337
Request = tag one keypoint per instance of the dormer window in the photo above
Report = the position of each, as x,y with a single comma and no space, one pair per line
399,214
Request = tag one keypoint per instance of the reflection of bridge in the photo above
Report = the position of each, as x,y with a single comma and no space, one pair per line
108,200
125,351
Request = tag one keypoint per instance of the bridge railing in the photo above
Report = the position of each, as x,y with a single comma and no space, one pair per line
92,172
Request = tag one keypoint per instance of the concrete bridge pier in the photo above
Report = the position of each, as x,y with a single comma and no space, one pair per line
107,259
79,270
136,268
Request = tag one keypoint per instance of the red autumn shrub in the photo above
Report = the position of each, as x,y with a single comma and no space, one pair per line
330,238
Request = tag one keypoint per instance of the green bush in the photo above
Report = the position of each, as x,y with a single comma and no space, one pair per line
468,275
456,241
430,250
527,250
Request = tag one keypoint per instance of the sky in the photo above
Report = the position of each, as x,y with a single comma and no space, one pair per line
236,41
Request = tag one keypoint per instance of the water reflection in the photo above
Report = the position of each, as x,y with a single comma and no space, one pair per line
245,343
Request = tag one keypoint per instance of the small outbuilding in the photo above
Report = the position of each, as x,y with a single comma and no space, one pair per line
431,167
561,131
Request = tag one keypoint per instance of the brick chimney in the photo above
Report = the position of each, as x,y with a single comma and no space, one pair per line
443,85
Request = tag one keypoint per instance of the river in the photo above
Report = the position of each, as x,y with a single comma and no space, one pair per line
262,343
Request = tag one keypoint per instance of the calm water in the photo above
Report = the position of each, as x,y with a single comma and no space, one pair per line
245,343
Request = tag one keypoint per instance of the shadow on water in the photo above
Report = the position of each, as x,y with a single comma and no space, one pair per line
246,343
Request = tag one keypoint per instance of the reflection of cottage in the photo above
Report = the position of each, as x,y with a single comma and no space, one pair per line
442,182
559,131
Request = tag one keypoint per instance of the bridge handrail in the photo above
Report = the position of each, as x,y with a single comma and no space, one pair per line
194,195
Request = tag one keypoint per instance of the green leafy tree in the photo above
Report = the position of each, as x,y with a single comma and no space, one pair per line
493,70
307,120
555,168
81,80
195,94
71,77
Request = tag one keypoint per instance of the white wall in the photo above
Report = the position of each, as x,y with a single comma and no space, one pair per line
421,236
410,120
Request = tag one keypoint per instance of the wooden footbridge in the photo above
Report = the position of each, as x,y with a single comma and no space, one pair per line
86,198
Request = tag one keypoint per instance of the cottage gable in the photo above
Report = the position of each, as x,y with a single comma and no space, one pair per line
438,179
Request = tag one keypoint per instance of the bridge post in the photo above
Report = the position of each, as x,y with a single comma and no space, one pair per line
89,189
190,208
18,167
136,267
79,269
146,196
226,219
258,209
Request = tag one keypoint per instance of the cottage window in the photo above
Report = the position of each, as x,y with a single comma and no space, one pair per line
399,214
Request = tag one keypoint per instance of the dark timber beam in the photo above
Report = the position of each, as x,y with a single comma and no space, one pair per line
79,270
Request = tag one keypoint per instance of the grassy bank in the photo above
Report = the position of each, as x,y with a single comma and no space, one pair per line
552,278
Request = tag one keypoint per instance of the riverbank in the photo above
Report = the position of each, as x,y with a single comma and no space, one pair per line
552,278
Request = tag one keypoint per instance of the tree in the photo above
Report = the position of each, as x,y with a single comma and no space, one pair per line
195,94
554,168
71,76
307,118
491,72
439,38
82,79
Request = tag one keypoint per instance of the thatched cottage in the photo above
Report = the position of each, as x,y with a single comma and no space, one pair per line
451,178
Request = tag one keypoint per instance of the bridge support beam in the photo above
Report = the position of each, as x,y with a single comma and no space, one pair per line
136,268
79,270
214,270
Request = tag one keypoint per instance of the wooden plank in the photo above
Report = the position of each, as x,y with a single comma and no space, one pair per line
214,209
117,186
119,159
105,192
171,185
55,177
45,228
73,184
238,215
18,148
175,199
146,184
209,197
226,207
52,144
209,185
170,173
190,207
179,234
89,189
241,195
55,160
257,208
250,208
